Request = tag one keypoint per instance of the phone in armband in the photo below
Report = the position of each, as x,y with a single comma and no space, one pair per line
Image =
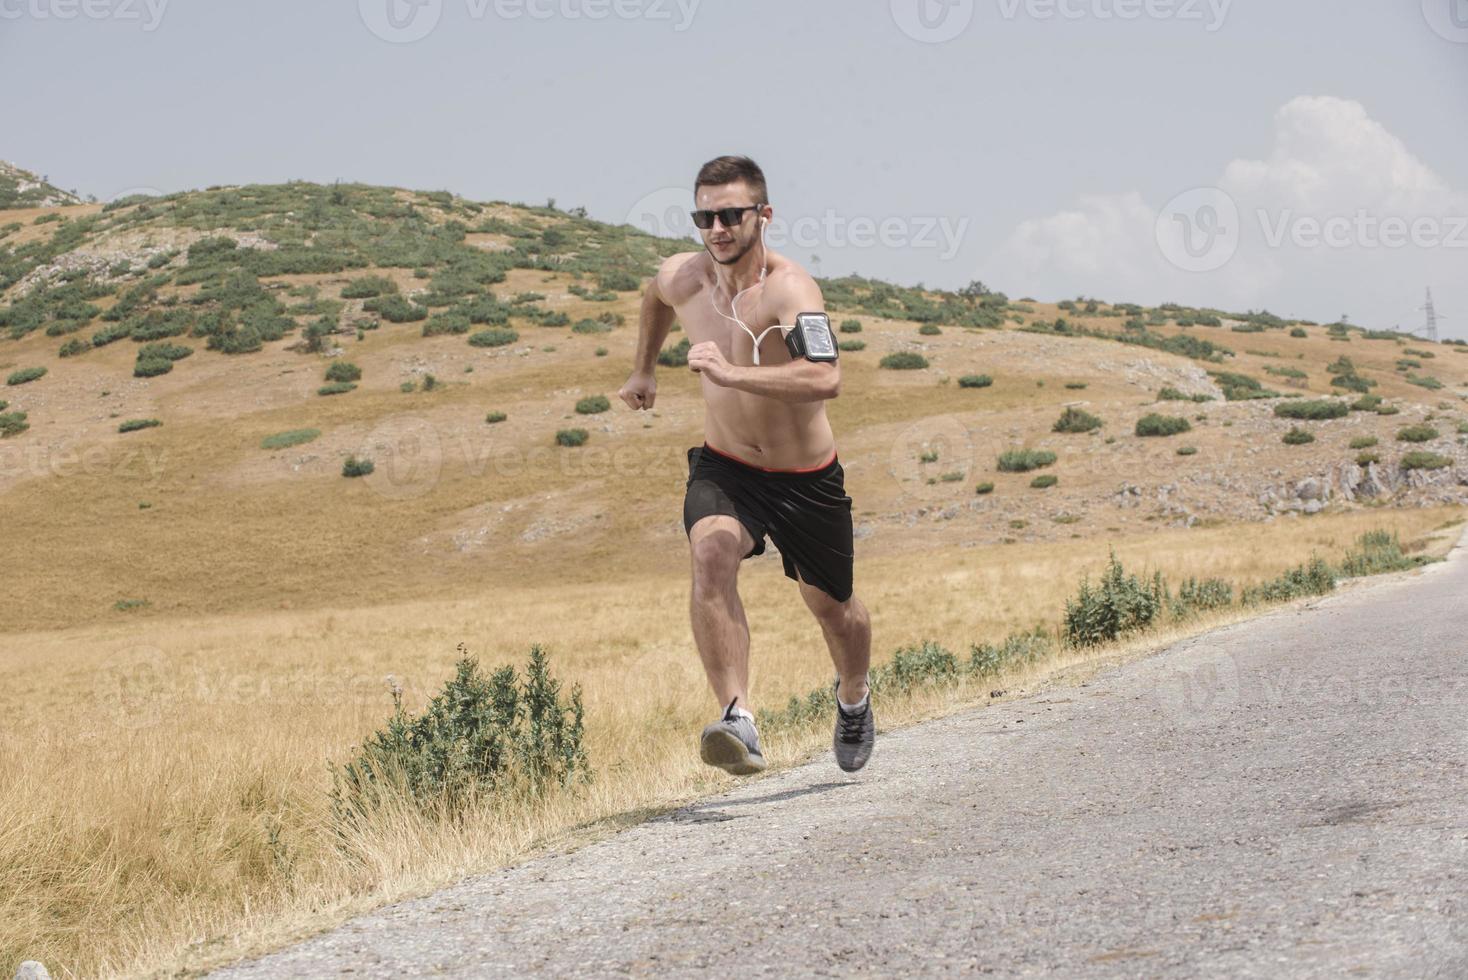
812,338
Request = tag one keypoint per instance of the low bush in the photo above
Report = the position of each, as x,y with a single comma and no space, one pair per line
1366,403
1162,425
396,309
593,405
1419,459
355,467
73,347
133,425
1312,410
1187,450
343,371
571,437
984,488
975,381
930,330
851,326
1024,460
1366,459
1200,595
493,337
675,356
1044,481
1363,442
152,367
1074,420
12,424
1119,604
903,361
1314,578
1417,433
1377,552
590,326
1297,437
480,738
852,345
494,417
292,437
369,287
1171,394
25,376
441,324
168,352
336,388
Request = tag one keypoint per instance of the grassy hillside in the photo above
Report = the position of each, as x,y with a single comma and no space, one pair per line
23,189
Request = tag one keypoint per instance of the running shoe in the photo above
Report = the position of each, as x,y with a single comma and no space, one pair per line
856,734
732,744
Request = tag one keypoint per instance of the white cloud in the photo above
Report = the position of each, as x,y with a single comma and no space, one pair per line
1340,217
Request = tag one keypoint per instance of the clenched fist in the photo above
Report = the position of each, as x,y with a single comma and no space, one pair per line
640,391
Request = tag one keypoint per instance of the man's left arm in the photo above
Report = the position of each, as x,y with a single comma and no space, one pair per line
799,380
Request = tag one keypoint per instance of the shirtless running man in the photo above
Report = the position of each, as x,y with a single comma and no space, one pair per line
768,463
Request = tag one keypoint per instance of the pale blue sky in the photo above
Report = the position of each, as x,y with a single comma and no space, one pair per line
1019,118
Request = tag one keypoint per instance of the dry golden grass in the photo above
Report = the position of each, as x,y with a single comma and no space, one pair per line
167,777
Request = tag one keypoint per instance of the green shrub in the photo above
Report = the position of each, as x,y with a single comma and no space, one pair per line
1419,459
590,326
133,425
1076,385
1187,450
1298,332
1200,595
481,738
903,361
1366,403
167,352
1076,420
1044,481
1430,383
1366,459
1312,410
396,309
1171,394
930,330
984,488
975,381
152,367
12,424
1154,424
1363,442
1377,552
1297,437
1387,410
618,281
1314,578
336,388
493,337
1417,433
354,467
851,345
441,324
494,417
110,333
1017,650
593,405
851,326
343,371
25,376
292,437
571,437
369,287
73,347
675,356
1120,603
244,339
1024,460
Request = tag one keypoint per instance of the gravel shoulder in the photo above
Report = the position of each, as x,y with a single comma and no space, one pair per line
1283,797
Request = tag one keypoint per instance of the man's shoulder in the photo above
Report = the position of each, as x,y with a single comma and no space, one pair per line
787,279
680,275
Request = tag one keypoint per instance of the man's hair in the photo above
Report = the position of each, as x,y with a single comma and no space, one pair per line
726,170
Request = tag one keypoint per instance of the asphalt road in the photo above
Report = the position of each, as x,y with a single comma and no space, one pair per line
1280,798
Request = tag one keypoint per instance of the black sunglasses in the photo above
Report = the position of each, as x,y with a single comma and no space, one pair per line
704,220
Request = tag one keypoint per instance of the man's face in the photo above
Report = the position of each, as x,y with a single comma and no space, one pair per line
728,245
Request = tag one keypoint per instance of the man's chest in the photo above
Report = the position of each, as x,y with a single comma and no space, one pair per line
706,318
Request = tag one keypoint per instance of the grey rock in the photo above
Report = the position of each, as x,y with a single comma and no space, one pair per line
32,970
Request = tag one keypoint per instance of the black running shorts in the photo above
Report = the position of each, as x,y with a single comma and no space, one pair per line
805,512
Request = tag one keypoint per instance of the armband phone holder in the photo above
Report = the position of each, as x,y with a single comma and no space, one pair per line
812,338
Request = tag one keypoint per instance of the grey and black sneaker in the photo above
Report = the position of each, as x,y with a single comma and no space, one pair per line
732,744
856,734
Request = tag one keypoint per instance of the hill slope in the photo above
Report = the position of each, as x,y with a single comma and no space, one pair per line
23,189
217,313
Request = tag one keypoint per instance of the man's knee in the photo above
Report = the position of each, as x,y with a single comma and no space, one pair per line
716,554
838,616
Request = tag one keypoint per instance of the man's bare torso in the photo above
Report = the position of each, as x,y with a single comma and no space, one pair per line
760,430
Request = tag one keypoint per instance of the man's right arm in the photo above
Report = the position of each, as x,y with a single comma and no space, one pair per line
654,322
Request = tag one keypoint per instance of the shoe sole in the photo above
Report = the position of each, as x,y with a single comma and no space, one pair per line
728,752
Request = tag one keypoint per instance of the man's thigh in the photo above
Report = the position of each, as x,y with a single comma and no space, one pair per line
715,525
